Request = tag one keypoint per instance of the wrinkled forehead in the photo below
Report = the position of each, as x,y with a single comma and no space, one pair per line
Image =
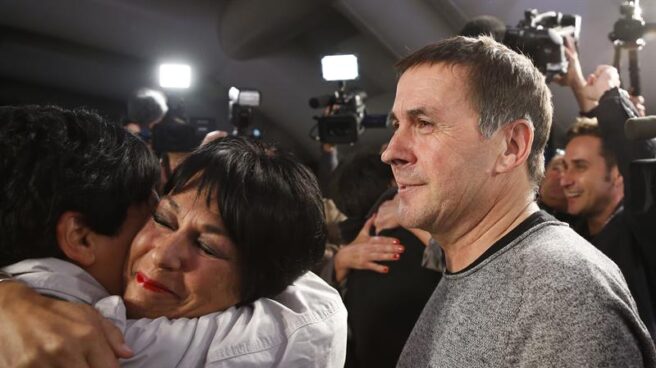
435,86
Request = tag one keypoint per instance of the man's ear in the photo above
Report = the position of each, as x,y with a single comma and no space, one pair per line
73,238
616,178
518,139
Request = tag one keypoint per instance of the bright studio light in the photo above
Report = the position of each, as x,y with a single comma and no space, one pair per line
244,97
174,76
339,67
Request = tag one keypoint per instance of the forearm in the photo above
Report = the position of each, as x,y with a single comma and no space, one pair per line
585,104
340,267
45,332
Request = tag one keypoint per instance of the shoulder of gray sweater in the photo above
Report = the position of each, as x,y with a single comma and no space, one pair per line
555,255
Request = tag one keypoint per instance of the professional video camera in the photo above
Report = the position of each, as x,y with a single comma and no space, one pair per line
346,117
627,34
540,36
240,111
630,28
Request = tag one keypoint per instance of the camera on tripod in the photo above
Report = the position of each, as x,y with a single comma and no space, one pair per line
346,116
630,28
540,36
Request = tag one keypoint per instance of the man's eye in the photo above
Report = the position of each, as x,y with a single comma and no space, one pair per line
425,125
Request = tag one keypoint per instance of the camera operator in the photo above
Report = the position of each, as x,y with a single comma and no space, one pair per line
597,182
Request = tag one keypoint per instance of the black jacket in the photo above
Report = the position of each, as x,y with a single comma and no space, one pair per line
383,308
629,238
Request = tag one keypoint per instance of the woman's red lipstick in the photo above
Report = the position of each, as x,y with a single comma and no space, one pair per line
151,285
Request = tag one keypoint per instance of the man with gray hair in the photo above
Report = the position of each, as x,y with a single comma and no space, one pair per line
471,121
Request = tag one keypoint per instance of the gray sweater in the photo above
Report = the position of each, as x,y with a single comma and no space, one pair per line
547,299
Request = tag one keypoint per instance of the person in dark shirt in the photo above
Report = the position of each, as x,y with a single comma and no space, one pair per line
597,181
596,185
382,307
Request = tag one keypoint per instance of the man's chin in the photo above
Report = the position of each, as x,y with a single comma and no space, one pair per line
408,219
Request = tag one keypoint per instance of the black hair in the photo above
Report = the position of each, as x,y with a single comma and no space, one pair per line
54,160
590,127
271,206
358,182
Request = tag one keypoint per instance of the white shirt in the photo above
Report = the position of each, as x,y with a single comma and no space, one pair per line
304,326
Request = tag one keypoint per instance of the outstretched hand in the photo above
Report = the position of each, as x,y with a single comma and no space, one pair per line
38,331
363,252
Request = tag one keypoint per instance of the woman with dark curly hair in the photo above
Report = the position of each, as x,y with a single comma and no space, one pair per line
218,275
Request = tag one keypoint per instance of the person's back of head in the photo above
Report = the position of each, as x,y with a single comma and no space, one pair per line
55,161
359,182
147,107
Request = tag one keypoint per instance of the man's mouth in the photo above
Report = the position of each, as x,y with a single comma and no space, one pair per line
151,285
407,186
572,194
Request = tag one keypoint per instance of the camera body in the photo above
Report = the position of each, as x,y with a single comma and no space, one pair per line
343,123
241,107
347,117
540,36
630,28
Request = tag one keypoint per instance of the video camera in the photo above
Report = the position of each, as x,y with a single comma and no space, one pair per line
627,34
630,28
347,116
540,36
241,104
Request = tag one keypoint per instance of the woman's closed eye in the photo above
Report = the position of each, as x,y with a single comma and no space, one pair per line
162,221
209,250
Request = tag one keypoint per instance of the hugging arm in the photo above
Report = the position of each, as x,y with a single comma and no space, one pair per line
39,331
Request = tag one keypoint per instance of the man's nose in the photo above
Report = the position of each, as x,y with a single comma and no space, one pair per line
397,152
565,178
